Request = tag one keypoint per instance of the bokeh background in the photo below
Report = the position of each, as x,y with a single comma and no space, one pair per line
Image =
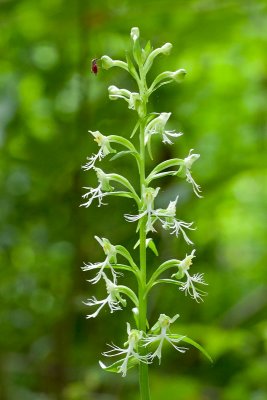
49,100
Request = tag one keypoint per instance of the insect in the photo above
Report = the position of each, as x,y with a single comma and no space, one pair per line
94,66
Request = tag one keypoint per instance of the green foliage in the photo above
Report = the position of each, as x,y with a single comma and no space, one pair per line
49,100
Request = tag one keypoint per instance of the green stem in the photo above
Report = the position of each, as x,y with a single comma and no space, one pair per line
143,368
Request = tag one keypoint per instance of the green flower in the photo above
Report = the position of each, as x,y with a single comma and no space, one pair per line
105,149
185,170
111,258
162,325
103,189
190,285
113,299
157,126
130,351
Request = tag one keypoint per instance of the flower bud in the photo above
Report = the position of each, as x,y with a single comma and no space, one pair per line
135,33
116,93
107,62
113,91
166,49
178,75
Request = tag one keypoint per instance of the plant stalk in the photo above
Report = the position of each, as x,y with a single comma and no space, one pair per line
143,367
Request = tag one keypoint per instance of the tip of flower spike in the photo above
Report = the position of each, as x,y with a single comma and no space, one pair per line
135,33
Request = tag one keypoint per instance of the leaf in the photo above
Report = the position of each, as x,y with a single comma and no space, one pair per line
131,66
137,52
146,51
115,367
150,243
193,343
121,154
136,244
125,253
135,129
148,48
149,149
136,315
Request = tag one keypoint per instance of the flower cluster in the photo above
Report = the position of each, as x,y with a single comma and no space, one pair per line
143,345
167,217
139,341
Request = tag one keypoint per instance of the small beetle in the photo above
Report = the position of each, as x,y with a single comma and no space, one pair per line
94,66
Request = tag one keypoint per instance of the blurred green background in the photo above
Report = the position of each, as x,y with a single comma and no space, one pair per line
48,101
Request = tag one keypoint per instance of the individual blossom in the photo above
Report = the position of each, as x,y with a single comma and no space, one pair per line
99,191
148,197
165,216
132,98
162,326
111,258
113,299
105,149
157,126
190,285
168,219
185,170
130,351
